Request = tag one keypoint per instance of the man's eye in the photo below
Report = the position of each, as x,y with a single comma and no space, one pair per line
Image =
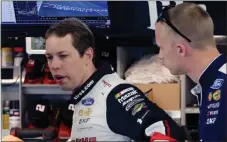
49,57
63,56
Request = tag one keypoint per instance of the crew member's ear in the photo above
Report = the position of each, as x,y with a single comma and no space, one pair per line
182,49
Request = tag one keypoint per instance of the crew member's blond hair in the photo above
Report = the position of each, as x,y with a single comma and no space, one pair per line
194,22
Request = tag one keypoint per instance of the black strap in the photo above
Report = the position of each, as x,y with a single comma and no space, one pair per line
82,91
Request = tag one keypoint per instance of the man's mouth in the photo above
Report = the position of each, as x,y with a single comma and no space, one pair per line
59,78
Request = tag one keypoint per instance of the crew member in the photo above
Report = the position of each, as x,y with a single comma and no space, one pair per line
184,34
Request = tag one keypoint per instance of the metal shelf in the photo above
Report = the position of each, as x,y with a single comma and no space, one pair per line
44,89
220,39
16,76
13,81
11,67
192,110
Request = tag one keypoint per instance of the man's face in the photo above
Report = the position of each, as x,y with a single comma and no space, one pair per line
169,52
64,61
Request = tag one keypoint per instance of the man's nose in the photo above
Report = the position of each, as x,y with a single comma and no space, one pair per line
54,64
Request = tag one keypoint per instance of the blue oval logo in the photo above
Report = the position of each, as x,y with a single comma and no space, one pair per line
88,101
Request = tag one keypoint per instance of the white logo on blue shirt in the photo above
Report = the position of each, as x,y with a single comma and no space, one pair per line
214,105
217,84
210,121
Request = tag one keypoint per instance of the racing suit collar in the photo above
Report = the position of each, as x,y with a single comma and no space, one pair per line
80,92
206,79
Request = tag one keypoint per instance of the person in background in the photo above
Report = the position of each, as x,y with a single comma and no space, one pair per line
184,34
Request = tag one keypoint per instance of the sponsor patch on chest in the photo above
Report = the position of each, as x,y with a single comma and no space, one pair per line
217,84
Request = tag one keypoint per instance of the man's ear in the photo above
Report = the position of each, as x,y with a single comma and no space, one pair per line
89,54
182,49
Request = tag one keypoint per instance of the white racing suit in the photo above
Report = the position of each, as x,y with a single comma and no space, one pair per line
110,109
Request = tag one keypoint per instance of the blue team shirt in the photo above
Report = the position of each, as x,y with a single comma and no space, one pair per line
211,93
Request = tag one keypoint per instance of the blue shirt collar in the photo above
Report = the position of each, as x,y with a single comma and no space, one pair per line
207,76
206,79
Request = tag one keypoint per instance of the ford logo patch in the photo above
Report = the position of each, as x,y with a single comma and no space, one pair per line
88,101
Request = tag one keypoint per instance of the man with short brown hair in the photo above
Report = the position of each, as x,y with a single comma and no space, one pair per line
107,108
184,34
